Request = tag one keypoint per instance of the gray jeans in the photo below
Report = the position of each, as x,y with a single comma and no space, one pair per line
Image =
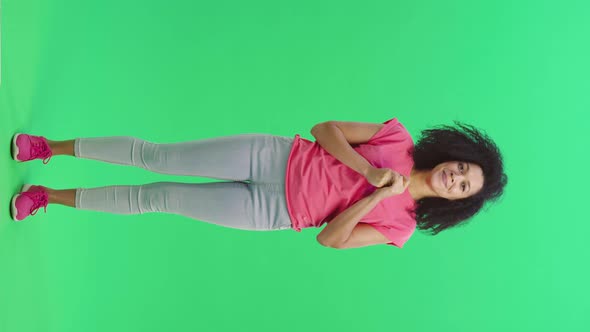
253,199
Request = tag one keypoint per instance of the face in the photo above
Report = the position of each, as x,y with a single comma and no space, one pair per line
456,179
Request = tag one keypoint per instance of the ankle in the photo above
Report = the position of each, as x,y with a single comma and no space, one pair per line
62,147
64,197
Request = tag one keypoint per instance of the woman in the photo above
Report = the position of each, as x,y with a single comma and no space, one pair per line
366,181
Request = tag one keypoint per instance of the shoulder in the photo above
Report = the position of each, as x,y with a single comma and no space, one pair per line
393,132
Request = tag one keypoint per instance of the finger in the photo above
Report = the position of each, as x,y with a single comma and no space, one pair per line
386,180
397,177
401,184
392,182
406,182
392,173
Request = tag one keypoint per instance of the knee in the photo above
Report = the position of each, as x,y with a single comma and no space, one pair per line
149,154
154,197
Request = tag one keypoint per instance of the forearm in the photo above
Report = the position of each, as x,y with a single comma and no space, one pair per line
339,229
331,138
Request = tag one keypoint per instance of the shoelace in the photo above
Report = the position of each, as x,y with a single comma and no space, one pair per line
41,149
40,199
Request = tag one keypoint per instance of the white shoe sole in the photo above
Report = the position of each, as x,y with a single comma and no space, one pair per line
13,210
14,147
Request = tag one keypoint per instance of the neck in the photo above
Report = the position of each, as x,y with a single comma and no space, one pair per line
419,187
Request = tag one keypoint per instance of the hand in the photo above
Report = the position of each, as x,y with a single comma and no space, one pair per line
398,185
380,177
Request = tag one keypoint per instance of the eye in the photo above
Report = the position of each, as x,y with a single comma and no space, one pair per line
461,167
463,186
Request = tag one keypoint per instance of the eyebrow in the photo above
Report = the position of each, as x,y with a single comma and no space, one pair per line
469,183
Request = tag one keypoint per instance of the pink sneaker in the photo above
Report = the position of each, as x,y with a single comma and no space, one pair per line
28,201
27,147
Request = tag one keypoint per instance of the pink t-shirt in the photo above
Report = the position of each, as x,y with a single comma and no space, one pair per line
319,187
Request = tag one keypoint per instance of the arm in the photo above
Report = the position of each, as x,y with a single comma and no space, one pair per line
336,138
344,231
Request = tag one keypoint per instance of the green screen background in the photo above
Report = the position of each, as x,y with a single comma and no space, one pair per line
184,70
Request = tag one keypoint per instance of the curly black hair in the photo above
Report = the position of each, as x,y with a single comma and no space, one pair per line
461,143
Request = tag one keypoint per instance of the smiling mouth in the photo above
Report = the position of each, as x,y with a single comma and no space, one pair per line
444,178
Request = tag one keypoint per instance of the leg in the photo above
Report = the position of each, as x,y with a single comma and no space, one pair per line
65,197
62,147
230,204
238,158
